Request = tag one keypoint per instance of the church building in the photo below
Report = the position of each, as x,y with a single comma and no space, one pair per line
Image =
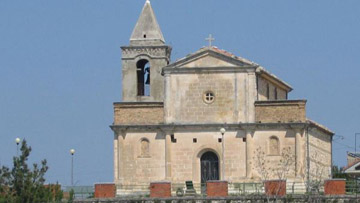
208,116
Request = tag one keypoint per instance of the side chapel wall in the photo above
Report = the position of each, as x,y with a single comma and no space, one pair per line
320,154
261,140
142,165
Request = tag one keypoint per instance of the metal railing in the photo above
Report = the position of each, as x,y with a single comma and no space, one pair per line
352,186
80,192
234,189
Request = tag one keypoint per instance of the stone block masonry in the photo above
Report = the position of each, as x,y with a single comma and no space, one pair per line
280,111
127,113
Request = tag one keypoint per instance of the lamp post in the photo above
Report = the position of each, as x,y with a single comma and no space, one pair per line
72,152
356,134
222,131
17,141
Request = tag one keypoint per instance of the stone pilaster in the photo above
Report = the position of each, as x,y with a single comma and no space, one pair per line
116,159
120,146
251,97
249,152
167,105
299,153
168,156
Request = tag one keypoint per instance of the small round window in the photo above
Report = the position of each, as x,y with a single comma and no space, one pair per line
209,97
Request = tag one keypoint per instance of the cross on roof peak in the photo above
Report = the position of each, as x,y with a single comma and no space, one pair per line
210,39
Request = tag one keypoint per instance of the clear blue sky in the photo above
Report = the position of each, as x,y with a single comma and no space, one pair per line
60,67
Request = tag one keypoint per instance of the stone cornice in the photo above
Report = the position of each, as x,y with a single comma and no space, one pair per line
206,127
219,69
271,77
155,52
280,102
212,51
138,104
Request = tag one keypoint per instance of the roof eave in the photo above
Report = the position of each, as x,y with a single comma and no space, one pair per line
262,72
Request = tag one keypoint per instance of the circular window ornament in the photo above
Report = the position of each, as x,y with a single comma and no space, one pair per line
209,97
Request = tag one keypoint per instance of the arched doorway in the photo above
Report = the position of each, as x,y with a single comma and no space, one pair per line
209,167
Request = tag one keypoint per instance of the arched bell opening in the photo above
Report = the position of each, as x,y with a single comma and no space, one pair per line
143,77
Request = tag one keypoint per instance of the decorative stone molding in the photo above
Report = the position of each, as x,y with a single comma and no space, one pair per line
132,52
172,127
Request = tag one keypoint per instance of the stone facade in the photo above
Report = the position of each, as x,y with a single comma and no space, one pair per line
173,134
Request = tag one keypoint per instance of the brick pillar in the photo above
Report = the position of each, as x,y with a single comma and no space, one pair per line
217,188
104,190
275,187
160,189
334,187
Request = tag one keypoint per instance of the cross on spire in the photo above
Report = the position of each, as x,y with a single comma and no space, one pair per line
210,39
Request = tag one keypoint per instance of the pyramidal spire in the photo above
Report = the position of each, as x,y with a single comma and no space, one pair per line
147,30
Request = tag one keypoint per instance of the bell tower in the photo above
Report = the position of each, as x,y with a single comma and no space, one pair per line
143,60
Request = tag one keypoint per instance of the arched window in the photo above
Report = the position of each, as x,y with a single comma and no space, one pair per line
145,149
143,77
274,146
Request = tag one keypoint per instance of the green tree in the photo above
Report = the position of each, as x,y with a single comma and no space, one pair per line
25,184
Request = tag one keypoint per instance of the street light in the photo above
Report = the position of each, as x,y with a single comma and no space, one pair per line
72,152
356,134
17,141
222,131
